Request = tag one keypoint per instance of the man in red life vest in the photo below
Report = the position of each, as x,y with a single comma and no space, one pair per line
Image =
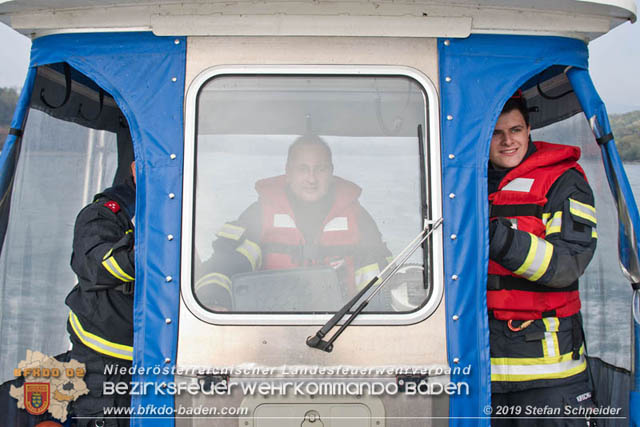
542,236
306,217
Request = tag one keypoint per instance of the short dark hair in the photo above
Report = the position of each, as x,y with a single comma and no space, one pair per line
309,140
517,102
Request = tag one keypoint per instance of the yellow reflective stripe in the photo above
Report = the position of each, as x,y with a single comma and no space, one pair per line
128,231
550,345
537,260
231,231
536,368
576,368
108,254
364,274
551,324
545,217
112,267
214,279
252,252
533,246
582,210
548,253
594,233
94,342
555,225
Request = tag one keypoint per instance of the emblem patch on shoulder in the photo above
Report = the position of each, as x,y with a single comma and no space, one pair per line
36,398
113,206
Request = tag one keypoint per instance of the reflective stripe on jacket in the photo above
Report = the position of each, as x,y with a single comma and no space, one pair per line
97,343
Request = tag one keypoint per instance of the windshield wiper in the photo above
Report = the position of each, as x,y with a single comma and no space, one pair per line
317,341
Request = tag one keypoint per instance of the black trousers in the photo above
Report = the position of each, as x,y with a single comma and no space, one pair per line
89,410
548,406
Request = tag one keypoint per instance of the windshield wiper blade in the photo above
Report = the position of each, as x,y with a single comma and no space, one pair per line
317,341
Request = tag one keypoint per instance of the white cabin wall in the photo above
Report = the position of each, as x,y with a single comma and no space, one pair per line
205,52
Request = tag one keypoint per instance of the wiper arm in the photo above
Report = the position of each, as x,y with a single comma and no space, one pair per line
317,341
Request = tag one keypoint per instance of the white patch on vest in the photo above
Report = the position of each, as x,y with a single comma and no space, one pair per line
519,184
339,223
283,221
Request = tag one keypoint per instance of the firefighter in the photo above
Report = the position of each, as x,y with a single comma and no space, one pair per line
101,304
305,217
542,235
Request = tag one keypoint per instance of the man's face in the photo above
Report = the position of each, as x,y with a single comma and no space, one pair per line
309,172
510,140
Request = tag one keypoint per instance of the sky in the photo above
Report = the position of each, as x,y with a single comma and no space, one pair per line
614,62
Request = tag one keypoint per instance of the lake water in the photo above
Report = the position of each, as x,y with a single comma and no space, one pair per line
633,173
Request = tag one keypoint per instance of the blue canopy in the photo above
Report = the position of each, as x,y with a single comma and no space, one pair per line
145,75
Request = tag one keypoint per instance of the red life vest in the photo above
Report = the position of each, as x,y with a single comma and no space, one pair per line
284,245
521,197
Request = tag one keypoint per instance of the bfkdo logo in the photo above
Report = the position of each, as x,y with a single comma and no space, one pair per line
36,397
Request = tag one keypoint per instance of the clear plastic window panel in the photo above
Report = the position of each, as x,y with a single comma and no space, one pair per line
62,165
300,229
604,291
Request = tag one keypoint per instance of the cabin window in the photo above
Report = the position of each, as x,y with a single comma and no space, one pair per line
299,229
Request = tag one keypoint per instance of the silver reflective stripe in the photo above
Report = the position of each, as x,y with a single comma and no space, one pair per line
112,266
252,252
217,279
583,210
231,231
549,345
555,224
538,259
99,344
526,372
551,324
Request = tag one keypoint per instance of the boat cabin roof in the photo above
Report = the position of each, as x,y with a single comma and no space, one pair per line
582,19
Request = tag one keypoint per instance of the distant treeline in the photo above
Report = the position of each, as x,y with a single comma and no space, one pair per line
626,127
626,130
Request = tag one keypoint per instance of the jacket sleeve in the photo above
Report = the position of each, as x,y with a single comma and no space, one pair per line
373,255
103,249
235,250
562,256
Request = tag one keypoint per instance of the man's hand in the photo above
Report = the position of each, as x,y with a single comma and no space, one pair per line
500,237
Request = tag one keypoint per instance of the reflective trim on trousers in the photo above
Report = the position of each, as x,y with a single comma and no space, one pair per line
536,368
